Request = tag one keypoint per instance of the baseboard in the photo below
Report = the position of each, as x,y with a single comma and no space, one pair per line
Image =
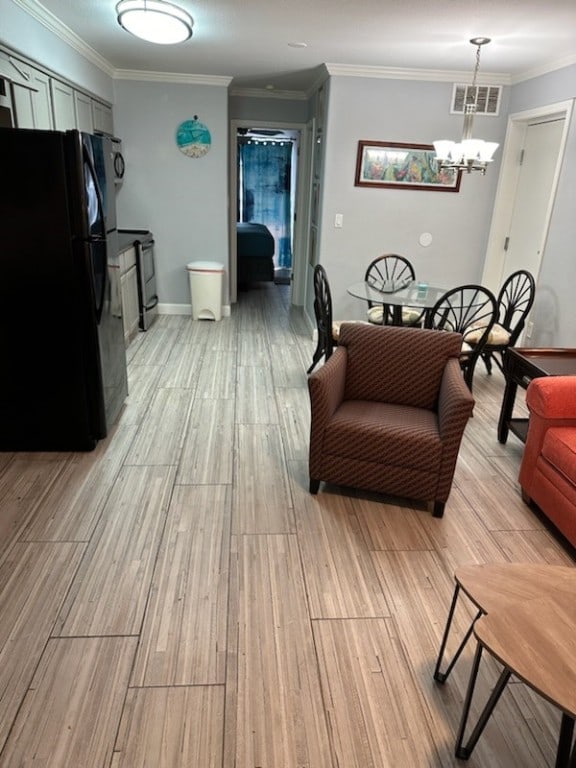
186,309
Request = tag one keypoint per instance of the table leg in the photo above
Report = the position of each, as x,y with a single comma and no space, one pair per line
464,752
506,409
439,676
563,759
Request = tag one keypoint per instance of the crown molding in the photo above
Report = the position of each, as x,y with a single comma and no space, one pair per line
269,93
398,73
52,23
171,77
554,66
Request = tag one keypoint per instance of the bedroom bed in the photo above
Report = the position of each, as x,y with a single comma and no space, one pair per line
255,253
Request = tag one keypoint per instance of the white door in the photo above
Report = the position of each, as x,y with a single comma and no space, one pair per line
530,215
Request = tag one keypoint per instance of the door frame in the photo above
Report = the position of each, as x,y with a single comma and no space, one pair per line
299,245
508,181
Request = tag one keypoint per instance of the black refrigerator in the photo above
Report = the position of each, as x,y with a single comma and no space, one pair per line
63,379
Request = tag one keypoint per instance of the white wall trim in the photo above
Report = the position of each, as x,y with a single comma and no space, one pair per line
51,22
397,73
553,66
268,93
171,77
186,309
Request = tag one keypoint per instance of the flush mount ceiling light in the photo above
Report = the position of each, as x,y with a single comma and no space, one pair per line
155,21
469,154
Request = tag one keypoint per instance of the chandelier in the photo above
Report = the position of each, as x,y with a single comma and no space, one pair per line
155,21
469,154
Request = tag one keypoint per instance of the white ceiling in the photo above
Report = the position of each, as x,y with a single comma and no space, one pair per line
249,40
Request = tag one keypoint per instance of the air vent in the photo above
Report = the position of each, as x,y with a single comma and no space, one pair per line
487,98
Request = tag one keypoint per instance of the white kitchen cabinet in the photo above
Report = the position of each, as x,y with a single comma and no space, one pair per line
102,118
62,105
129,293
83,110
32,108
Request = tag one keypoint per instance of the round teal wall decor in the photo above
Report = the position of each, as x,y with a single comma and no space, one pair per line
193,138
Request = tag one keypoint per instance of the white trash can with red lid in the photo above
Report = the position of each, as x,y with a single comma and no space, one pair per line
206,279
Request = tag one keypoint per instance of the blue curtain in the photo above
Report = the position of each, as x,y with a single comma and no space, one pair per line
265,190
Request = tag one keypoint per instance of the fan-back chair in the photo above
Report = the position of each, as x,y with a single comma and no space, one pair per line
471,311
327,328
388,411
391,269
514,303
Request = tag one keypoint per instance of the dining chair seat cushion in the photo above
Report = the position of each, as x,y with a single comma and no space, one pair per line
497,336
409,315
336,324
375,314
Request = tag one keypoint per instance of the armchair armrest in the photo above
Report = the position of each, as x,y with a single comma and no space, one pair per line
326,385
551,401
455,401
455,405
326,388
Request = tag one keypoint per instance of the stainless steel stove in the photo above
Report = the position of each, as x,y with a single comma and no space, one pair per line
145,268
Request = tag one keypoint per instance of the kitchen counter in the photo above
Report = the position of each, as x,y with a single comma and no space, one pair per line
126,238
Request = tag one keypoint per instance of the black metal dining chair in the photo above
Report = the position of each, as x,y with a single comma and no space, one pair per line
390,269
514,302
472,311
327,328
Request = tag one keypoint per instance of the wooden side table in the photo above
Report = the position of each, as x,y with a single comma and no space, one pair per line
535,640
495,587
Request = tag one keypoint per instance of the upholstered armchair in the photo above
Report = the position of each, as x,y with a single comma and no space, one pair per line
388,411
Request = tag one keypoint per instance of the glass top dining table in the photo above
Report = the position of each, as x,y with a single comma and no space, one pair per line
413,294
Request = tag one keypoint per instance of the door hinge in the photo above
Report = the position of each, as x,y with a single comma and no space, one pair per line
506,244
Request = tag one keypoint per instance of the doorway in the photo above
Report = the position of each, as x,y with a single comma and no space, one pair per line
266,176
299,185
531,165
535,190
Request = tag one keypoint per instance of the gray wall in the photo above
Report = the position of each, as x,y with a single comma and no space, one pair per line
182,200
274,110
378,220
553,313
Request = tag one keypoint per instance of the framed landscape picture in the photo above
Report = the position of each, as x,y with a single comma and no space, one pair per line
402,166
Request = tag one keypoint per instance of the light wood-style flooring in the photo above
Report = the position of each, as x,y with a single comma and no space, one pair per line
177,598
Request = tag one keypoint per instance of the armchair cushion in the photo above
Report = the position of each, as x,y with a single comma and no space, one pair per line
548,469
388,412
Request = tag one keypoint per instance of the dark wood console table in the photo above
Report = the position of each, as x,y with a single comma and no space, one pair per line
521,365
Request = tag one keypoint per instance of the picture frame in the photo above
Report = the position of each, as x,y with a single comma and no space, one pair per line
402,166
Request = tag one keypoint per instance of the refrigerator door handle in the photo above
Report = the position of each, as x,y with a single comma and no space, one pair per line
99,237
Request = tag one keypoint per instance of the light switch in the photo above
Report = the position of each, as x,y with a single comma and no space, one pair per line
339,220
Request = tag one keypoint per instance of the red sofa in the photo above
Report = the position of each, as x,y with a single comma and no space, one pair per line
548,469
